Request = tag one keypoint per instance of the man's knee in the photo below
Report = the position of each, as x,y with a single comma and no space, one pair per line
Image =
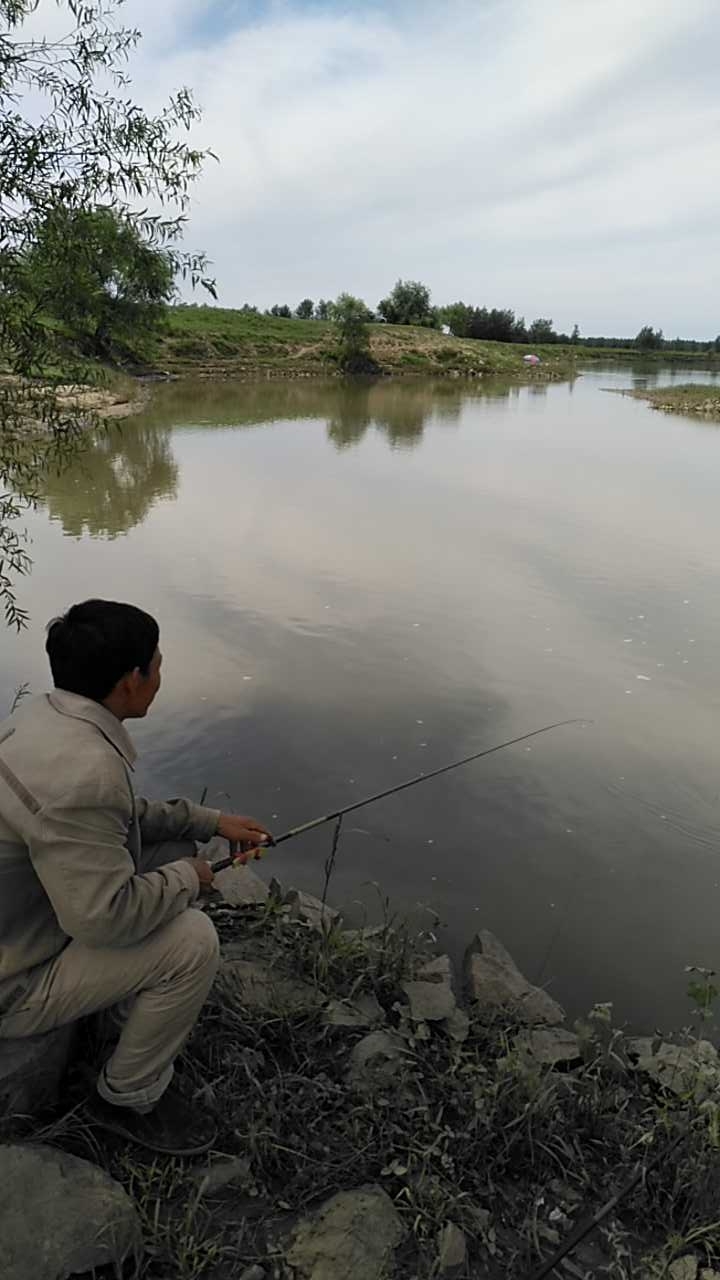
200,942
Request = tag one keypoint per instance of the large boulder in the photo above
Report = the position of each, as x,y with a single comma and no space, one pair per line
241,887
60,1216
31,1070
375,1058
310,910
430,995
493,980
549,1046
259,986
352,1236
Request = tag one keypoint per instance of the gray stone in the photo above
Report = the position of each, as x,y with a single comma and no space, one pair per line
431,995
258,986
684,1268
31,1070
684,1069
429,1001
457,1026
221,1174
351,1237
363,1011
439,969
241,887
255,1272
60,1215
311,910
493,980
452,1250
708,1274
550,1045
375,1057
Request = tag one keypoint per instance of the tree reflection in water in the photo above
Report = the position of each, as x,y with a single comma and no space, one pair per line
112,486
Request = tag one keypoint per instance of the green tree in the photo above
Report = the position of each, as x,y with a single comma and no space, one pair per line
409,303
649,339
305,309
281,310
458,317
575,335
351,318
72,139
323,310
541,331
93,270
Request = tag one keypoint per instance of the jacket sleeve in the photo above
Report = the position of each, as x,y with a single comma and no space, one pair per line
79,853
175,820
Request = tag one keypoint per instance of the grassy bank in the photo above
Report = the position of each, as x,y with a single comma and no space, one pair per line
699,400
456,1122
211,342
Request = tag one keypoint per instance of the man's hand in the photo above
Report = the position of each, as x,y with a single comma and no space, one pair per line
246,831
203,871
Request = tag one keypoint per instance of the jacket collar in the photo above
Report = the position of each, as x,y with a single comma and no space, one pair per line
79,708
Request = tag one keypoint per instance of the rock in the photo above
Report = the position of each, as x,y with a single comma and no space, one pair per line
221,1174
707,1274
364,1011
257,986
493,979
255,1272
375,1057
431,997
429,1001
684,1069
241,887
31,1070
452,1250
439,969
351,1237
457,1026
684,1268
550,1045
60,1215
303,906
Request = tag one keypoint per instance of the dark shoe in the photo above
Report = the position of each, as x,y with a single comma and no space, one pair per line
174,1127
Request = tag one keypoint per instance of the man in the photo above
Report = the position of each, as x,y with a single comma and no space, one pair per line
97,889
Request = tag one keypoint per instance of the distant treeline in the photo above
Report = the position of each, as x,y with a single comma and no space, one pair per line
409,303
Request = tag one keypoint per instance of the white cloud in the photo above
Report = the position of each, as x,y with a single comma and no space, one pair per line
557,158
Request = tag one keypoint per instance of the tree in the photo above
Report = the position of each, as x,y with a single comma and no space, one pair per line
351,318
94,271
575,335
541,331
648,339
458,317
409,303
305,309
323,310
281,310
72,139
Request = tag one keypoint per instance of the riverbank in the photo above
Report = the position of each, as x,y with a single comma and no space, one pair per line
380,1118
696,399
214,342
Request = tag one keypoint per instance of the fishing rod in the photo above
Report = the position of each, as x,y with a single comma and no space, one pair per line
391,791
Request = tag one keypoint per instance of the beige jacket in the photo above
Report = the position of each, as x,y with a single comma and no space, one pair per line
70,835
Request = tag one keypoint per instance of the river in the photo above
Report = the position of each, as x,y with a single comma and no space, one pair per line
358,583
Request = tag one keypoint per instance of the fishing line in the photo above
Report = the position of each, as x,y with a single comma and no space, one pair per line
391,791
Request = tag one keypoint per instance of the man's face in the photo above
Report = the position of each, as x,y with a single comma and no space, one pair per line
143,688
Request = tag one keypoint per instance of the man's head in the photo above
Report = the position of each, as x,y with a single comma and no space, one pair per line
108,652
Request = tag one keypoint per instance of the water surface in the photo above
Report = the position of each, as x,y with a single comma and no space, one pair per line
355,584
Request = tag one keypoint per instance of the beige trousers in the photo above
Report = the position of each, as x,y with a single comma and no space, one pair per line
162,983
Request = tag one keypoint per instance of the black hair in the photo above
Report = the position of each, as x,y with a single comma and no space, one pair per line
98,642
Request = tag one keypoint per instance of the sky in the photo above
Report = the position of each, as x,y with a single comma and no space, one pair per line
559,157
